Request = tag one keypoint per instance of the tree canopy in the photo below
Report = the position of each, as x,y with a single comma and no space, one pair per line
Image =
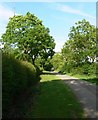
81,45
28,37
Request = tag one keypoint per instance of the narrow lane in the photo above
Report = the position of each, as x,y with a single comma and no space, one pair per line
85,92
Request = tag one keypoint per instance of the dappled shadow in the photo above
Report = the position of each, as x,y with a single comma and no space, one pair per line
92,80
87,95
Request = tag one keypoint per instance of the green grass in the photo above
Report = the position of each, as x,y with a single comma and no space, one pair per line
89,78
56,100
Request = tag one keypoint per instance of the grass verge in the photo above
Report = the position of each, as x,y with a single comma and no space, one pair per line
55,100
89,78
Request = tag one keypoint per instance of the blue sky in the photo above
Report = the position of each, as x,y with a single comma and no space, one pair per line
57,16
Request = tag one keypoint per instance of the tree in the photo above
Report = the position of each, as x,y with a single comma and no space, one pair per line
81,47
29,35
83,36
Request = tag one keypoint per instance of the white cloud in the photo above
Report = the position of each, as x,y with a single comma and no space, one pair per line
68,9
5,13
59,40
59,45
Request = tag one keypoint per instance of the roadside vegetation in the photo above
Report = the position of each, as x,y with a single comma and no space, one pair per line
89,78
19,79
78,55
56,100
28,50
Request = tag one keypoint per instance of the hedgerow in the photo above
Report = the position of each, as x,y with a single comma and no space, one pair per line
17,78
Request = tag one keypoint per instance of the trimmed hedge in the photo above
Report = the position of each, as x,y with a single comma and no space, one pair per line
17,78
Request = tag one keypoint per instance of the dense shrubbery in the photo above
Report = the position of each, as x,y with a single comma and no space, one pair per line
17,78
87,69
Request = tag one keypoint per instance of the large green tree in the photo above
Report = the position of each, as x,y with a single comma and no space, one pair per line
81,47
82,42
28,37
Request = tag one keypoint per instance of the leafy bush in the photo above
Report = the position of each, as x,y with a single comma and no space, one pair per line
17,77
89,68
86,68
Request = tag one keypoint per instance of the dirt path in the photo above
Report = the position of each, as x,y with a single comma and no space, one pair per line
85,92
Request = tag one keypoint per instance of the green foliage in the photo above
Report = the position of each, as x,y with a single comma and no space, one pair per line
28,37
79,52
44,64
89,68
48,65
57,61
17,77
39,62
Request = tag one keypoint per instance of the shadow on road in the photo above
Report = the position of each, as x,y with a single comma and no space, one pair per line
86,94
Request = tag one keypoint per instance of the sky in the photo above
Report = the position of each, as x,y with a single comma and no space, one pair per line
57,16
